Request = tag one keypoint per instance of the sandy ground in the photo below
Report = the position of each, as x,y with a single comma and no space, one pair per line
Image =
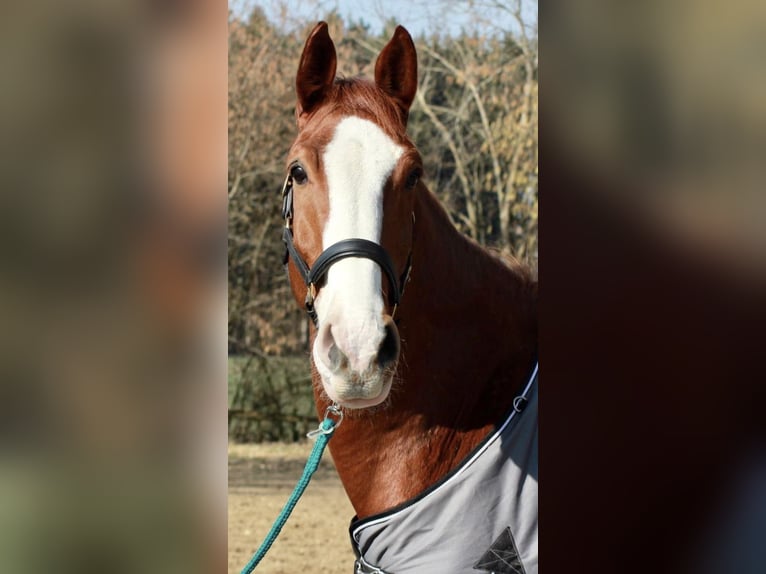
315,539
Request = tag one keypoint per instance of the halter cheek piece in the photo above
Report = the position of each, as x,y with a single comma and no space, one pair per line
363,248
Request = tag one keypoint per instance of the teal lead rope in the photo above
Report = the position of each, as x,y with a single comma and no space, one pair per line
323,434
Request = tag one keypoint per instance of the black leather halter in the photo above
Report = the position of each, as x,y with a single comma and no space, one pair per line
362,248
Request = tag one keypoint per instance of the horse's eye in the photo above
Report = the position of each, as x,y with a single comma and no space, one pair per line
413,178
298,174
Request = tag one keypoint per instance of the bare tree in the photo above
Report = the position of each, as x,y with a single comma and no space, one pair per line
480,95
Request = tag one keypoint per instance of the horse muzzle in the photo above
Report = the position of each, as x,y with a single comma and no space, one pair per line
357,364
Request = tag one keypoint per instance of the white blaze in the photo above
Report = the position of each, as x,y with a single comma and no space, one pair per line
358,161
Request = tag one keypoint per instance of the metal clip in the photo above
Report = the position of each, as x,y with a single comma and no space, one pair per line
288,182
320,430
287,202
311,294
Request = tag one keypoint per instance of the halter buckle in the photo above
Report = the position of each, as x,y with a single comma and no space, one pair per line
287,202
288,182
311,294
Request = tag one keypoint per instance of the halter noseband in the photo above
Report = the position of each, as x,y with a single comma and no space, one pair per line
363,248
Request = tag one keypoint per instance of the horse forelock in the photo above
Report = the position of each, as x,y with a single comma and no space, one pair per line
359,97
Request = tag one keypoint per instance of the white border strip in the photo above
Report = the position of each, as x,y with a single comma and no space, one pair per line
462,468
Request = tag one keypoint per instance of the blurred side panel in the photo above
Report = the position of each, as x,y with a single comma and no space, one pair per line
653,286
112,286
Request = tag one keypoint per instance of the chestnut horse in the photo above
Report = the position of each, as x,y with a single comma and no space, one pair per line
426,341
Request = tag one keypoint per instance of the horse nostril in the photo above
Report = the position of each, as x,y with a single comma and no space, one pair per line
389,348
337,358
327,350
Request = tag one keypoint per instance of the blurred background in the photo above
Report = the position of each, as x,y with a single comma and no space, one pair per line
668,98
653,291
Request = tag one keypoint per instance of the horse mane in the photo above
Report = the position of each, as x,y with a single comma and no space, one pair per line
526,273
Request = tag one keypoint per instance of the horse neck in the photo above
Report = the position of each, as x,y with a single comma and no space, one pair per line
460,287
467,324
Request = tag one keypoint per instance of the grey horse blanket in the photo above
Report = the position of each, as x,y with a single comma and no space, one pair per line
481,517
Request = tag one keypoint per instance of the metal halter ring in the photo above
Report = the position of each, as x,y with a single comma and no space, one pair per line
332,409
335,410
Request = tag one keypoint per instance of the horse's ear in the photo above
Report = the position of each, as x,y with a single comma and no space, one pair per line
396,71
316,70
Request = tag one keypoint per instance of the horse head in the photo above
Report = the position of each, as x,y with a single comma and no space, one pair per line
353,175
